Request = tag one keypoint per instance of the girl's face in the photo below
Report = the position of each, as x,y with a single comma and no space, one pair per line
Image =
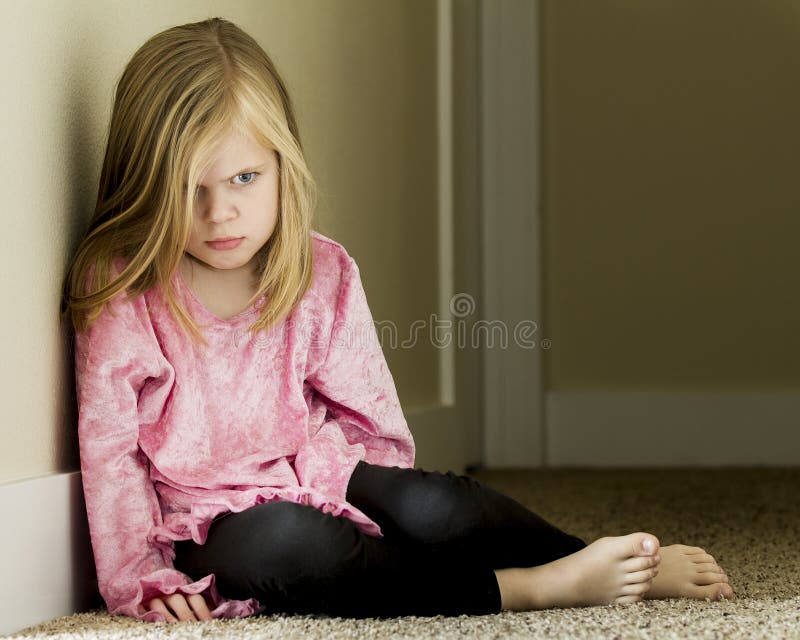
236,198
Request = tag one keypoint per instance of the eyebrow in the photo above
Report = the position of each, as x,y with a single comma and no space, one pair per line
245,170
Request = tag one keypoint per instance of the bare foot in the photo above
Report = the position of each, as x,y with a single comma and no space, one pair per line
610,570
689,572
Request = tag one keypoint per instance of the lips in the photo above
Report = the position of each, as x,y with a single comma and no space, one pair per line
225,243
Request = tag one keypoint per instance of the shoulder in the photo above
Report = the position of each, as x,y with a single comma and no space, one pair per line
327,250
332,264
337,287
124,301
118,264
109,270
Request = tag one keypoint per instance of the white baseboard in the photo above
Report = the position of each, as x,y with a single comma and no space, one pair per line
48,570
672,429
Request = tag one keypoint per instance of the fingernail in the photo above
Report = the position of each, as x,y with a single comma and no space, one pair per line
648,545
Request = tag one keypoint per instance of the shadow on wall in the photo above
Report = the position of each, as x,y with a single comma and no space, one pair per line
80,121
85,592
80,115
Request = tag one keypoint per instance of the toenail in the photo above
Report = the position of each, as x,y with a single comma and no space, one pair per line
648,545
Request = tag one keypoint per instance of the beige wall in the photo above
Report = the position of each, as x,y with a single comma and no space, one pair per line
671,221
362,74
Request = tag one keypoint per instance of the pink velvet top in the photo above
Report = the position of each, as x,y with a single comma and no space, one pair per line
172,436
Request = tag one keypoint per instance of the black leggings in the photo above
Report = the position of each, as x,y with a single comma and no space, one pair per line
444,535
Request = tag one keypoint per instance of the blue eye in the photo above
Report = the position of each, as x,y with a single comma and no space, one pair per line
250,177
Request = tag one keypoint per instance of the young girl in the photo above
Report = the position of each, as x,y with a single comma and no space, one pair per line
242,444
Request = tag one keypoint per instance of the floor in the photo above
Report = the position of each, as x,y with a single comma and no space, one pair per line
748,519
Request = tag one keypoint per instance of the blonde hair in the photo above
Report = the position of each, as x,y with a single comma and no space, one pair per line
181,92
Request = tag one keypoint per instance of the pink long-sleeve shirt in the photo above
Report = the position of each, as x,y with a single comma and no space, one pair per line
172,435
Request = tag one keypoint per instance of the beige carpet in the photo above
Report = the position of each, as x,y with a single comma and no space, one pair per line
748,519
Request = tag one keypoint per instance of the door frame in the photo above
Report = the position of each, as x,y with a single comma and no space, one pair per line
514,418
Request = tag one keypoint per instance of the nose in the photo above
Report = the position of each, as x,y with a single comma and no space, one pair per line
215,205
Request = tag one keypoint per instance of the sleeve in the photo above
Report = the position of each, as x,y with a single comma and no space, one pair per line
364,419
114,358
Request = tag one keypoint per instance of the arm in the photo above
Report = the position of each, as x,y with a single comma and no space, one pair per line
364,418
114,358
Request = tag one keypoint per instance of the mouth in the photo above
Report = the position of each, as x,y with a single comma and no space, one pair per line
225,243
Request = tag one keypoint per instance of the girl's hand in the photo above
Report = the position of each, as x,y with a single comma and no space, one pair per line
192,608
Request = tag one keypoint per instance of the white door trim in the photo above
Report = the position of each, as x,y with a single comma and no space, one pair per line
514,410
439,429
444,42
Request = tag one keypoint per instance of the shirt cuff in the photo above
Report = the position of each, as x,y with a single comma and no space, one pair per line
326,462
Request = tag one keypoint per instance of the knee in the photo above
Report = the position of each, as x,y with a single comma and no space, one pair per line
300,541
436,508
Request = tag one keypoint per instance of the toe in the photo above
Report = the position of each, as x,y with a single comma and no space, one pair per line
714,591
703,557
627,599
645,544
639,563
710,578
638,589
705,567
641,576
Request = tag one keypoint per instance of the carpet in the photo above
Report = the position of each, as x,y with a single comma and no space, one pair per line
748,519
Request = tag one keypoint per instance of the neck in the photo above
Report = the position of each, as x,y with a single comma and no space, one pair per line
194,269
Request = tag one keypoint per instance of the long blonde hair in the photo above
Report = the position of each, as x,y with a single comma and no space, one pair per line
181,92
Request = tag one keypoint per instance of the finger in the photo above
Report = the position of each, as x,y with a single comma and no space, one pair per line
142,610
181,608
198,603
156,604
